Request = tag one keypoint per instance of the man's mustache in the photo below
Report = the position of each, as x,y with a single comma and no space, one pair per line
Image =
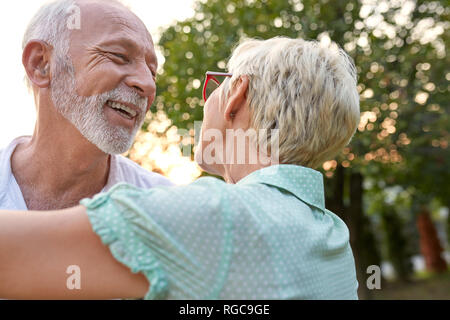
127,95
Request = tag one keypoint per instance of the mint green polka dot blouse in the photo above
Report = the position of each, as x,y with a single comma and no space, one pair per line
267,237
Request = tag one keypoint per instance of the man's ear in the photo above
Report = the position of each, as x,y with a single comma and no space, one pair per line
237,98
36,60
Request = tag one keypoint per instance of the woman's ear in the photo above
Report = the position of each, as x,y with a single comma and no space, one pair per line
237,98
36,60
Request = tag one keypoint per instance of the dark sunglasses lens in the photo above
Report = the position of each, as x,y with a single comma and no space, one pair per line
213,85
210,87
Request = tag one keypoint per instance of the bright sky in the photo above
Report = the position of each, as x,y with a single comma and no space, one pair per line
18,111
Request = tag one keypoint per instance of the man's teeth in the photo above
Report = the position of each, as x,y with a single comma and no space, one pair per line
119,106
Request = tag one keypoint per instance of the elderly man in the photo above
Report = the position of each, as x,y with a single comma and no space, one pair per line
93,84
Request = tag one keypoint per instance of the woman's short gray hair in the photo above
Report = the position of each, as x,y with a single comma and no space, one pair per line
306,90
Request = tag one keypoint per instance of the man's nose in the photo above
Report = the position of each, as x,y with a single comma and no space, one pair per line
142,81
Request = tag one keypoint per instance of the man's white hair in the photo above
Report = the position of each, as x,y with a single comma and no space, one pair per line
305,89
49,24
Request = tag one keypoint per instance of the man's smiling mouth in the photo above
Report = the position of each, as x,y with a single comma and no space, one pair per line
122,109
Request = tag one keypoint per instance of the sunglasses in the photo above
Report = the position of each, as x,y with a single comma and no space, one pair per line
212,82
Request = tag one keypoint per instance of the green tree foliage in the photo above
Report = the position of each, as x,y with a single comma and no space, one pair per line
396,245
404,81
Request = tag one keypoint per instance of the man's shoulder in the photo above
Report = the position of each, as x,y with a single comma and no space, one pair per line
10,194
130,172
6,150
3,151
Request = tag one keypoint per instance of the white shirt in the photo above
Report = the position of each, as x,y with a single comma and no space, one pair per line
121,170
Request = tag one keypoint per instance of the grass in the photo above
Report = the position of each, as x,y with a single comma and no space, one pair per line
424,286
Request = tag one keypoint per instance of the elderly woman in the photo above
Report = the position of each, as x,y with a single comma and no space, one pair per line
263,234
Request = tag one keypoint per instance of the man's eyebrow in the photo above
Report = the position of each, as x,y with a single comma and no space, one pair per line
129,45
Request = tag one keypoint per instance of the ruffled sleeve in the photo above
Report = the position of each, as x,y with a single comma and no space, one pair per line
178,237
116,231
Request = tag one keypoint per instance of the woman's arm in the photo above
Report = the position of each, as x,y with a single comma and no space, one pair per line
36,248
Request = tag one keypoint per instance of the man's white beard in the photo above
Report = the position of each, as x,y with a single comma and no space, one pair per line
87,114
